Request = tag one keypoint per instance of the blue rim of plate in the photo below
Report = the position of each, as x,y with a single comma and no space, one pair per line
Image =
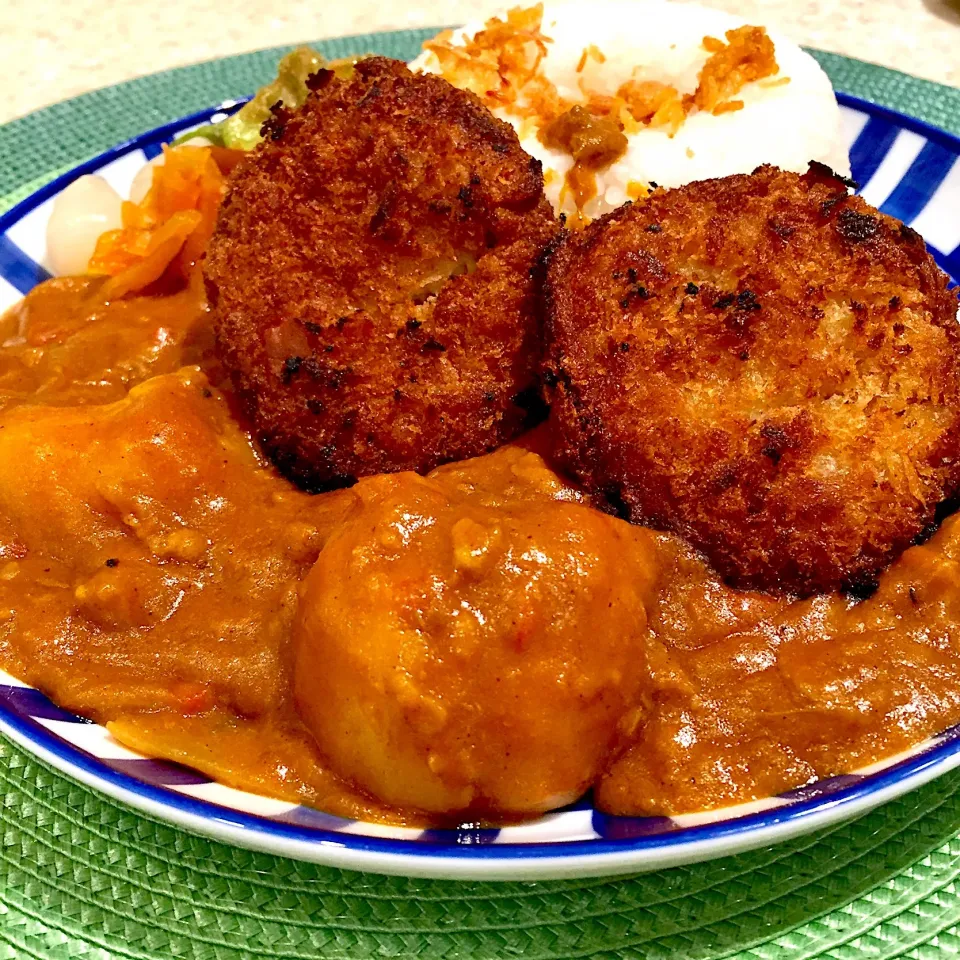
805,808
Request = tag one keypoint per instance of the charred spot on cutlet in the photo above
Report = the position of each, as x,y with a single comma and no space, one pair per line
274,126
313,368
828,173
291,366
909,235
777,441
783,230
747,300
827,206
856,227
370,95
317,81
385,207
724,478
746,304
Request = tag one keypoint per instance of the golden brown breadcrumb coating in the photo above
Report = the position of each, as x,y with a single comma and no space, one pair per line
764,364
372,278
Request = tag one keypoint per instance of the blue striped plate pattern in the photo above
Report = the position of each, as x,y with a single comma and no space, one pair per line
907,169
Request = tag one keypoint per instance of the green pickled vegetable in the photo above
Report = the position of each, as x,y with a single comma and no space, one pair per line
242,130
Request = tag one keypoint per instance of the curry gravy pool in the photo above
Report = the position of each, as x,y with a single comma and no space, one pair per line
157,576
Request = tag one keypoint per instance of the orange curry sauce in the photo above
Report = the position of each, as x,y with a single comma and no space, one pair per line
152,573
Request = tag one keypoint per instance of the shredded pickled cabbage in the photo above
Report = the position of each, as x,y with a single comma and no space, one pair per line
242,130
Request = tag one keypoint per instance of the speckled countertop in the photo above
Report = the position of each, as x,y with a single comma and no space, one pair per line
53,49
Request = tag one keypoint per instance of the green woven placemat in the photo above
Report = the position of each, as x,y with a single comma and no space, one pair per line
82,876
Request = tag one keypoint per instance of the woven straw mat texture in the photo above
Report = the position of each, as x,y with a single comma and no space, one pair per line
82,876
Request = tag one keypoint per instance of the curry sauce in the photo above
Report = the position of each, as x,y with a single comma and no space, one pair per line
156,575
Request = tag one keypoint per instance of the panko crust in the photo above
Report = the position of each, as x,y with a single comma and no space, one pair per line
764,364
373,282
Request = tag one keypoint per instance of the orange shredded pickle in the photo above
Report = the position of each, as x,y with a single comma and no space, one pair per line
501,62
168,230
747,55
728,106
150,253
592,52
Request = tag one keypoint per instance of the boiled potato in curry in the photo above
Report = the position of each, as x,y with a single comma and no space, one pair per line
453,656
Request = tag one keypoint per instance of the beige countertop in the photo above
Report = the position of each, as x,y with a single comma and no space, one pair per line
53,49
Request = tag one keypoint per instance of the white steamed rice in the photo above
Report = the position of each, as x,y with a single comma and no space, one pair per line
786,125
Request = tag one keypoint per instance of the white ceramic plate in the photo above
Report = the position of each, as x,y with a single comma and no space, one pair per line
908,170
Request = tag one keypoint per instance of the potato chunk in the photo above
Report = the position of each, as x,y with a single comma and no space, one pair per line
472,661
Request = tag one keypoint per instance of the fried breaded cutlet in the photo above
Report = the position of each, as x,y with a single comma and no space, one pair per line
372,278
764,364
